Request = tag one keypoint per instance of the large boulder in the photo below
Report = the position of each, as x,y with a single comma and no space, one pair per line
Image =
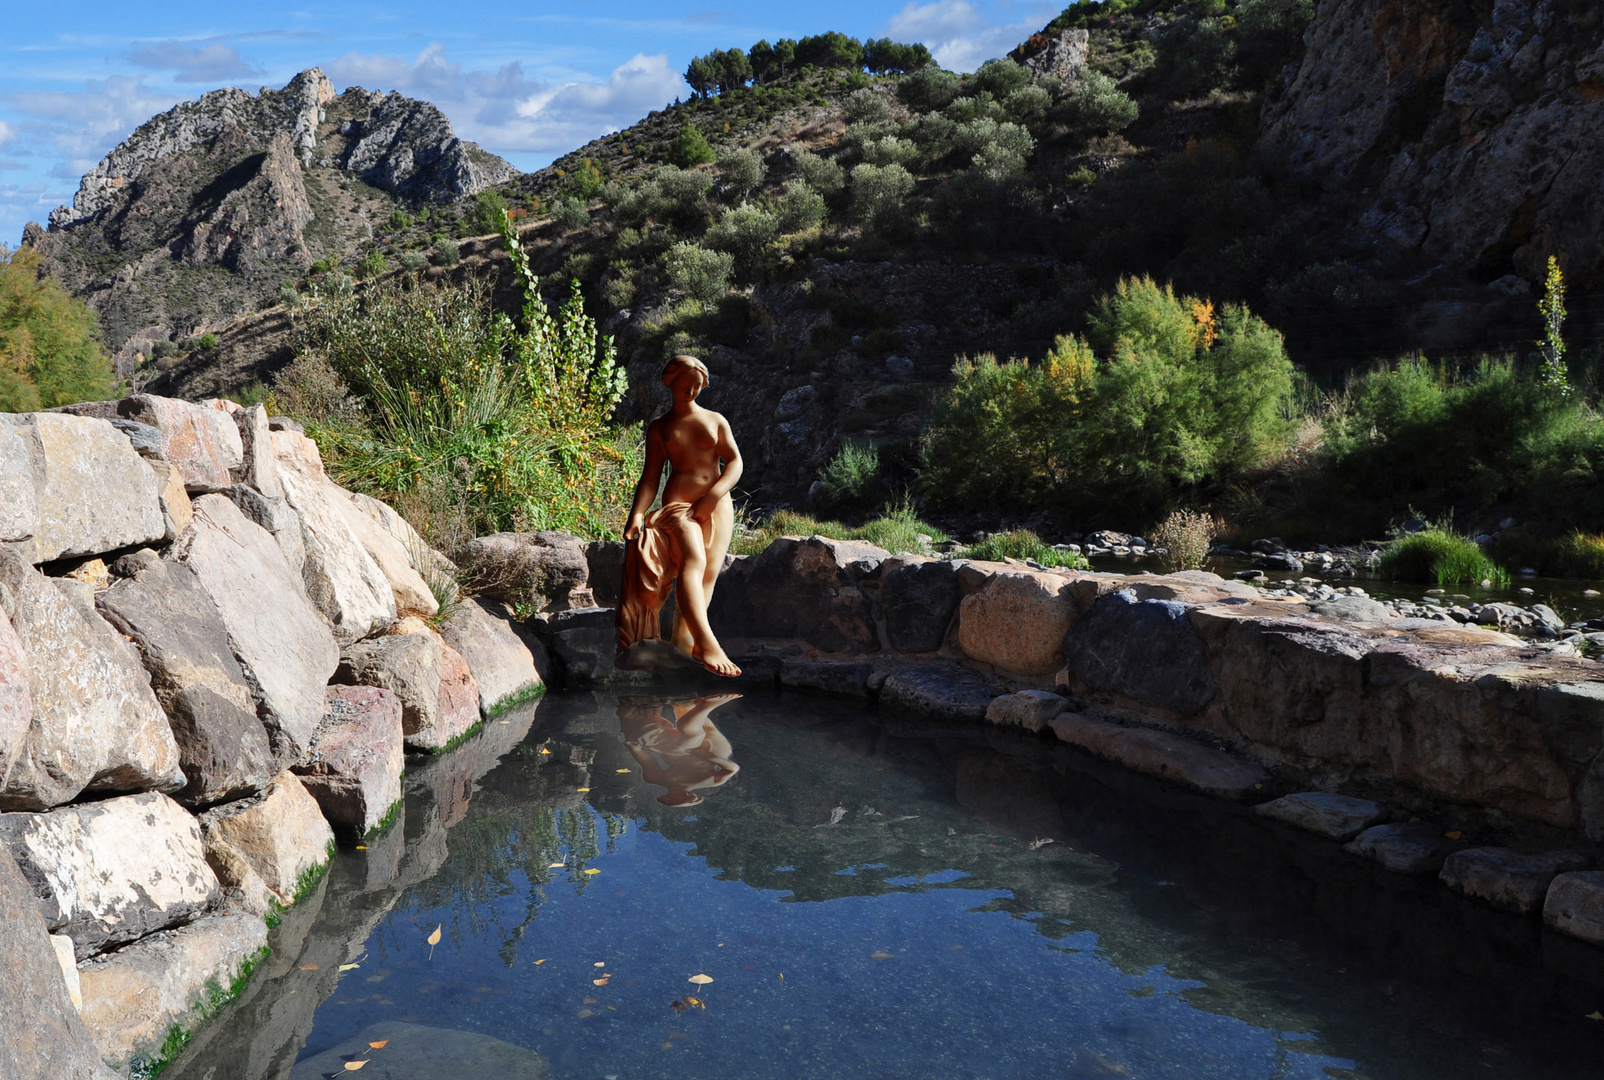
258,468
136,996
278,517
918,599
1032,710
606,561
583,642
19,516
804,589
204,444
1016,622
432,681
94,724
174,499
1341,817
265,849
163,609
1062,57
1410,847
502,664
92,492
280,640
353,768
1575,905
45,1036
16,701
543,569
341,578
393,545
1144,650
1508,879
106,873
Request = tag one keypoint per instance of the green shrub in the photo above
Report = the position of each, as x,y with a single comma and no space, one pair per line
889,150
484,214
373,265
206,341
745,232
897,529
1182,398
1082,177
851,480
867,107
682,193
1185,536
399,219
696,271
288,295
1440,555
570,213
820,174
878,191
1096,105
50,350
690,147
999,78
1195,56
740,170
800,208
1028,106
447,252
413,260
929,89
463,419
1023,544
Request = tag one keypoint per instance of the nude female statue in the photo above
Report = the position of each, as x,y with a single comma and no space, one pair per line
684,541
688,756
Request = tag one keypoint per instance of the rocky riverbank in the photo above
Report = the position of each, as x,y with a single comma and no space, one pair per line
214,661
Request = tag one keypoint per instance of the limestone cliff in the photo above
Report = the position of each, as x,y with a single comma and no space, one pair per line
1469,133
205,209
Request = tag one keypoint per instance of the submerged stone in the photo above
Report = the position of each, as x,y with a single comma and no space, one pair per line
1406,848
417,1052
943,690
1505,878
1575,905
1163,754
1340,817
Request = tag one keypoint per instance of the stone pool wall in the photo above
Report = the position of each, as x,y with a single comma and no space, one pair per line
212,660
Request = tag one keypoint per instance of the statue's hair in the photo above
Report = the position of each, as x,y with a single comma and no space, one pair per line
682,361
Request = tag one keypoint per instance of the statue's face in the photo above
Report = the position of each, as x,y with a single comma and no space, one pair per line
685,383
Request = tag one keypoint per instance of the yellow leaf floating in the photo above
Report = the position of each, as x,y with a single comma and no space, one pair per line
349,967
380,1045
542,960
582,789
556,866
1595,1015
593,870
624,770
353,1066
434,939
1455,835
308,967
599,963
879,956
700,980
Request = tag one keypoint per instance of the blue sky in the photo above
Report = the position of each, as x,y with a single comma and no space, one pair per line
528,81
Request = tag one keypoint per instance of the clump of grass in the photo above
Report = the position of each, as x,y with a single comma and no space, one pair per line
1023,544
1185,537
1440,555
897,529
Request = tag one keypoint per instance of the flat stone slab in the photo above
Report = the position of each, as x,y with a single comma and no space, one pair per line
353,768
203,443
1575,905
1417,847
942,690
1032,710
585,641
134,995
843,679
1508,879
110,872
919,599
417,1052
1340,817
1164,755
45,1036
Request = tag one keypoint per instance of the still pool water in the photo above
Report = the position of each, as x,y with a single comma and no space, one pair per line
872,897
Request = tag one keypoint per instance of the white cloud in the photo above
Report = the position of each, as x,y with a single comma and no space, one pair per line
7,133
83,125
960,35
203,63
508,112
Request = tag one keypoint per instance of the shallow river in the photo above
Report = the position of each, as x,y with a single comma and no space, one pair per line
873,898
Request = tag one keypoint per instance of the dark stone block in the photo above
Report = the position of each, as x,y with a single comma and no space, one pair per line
1145,650
919,601
942,690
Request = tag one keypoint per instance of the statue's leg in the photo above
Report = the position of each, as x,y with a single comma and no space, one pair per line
690,597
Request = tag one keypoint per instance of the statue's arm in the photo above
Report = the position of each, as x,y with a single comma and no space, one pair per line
651,478
732,462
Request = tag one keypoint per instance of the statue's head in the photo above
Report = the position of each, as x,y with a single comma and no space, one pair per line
685,374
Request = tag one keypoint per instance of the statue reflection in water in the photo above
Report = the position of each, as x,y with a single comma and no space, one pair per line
687,754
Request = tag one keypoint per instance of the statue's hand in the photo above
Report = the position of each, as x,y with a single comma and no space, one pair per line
633,529
702,509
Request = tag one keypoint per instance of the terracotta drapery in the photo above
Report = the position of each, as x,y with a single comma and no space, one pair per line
651,563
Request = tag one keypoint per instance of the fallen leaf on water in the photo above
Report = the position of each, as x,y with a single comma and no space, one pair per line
600,982
1595,1015
1455,835
542,960
380,1045
434,939
361,847
599,963
582,789
593,870
556,866
677,1004
782,976
667,1046
880,956
308,967
353,1066
543,750
349,967
588,1001
694,1002
583,1014
622,770
700,980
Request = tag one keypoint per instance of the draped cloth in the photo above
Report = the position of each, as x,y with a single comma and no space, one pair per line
651,563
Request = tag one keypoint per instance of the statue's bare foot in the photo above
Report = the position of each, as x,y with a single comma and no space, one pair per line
714,660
